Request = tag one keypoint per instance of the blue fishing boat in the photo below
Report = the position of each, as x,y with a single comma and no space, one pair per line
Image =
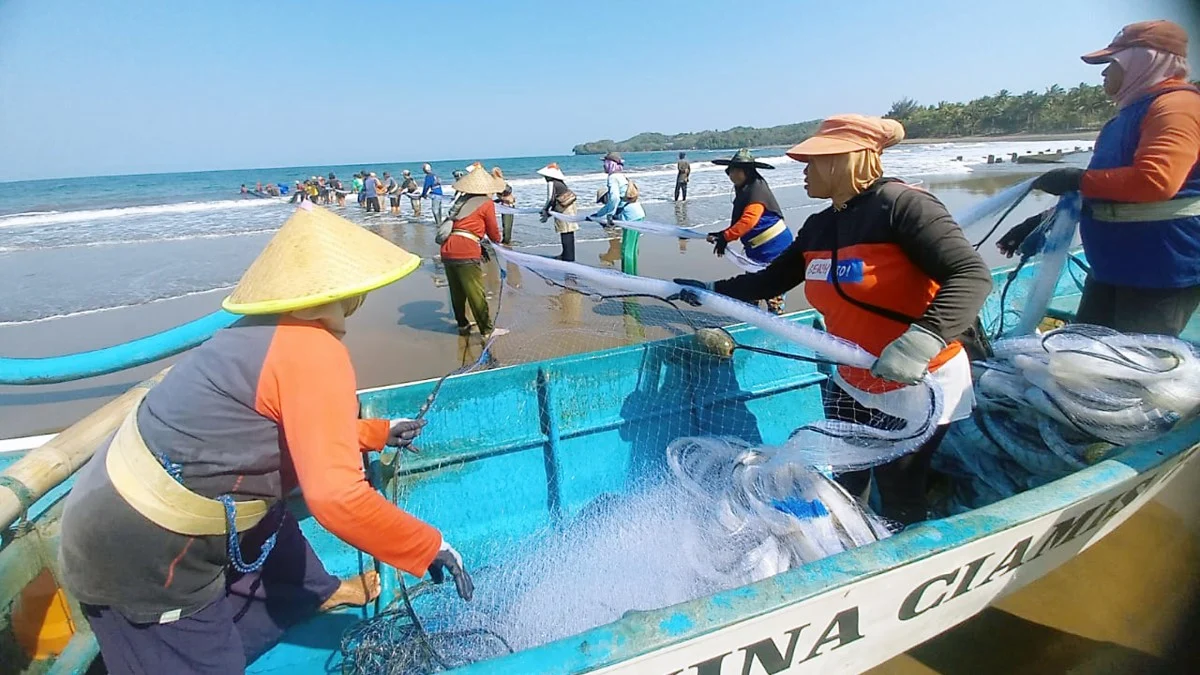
581,427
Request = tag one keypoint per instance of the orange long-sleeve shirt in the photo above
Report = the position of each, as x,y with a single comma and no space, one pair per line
308,388
1168,148
481,223
746,223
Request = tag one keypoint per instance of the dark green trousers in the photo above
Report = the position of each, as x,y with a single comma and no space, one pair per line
465,278
506,222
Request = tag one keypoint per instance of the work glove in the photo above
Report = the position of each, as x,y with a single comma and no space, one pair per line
448,560
1012,240
403,432
544,217
906,359
717,239
687,294
1059,181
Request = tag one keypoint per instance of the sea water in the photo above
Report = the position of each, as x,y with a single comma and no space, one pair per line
87,244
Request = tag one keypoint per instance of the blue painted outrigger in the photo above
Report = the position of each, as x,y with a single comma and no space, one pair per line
516,449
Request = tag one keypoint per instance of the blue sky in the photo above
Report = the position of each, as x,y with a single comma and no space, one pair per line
104,87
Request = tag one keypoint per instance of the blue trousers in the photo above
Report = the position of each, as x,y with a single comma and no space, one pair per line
233,630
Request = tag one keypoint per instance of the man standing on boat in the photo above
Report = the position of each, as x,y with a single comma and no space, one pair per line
176,539
1141,192
889,270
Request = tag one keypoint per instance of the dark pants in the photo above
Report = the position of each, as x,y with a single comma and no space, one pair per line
680,189
373,204
1157,311
465,279
506,224
902,482
233,630
568,246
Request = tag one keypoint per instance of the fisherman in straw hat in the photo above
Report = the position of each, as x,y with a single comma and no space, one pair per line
890,270
175,537
757,218
560,199
471,218
508,199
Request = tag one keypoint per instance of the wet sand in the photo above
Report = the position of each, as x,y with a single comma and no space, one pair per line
406,331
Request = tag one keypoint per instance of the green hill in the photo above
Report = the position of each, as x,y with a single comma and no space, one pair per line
737,137
1056,110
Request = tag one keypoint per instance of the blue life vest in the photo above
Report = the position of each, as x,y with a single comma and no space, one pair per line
770,249
1159,254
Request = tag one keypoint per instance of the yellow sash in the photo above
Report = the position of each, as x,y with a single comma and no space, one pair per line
1112,212
768,234
145,485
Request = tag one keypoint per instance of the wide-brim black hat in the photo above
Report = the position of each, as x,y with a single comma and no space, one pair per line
742,158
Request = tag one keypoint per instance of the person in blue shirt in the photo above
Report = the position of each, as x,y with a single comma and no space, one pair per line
433,190
371,189
620,203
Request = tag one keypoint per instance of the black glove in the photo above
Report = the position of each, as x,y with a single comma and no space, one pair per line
1012,240
484,255
717,239
448,560
687,294
403,432
1059,181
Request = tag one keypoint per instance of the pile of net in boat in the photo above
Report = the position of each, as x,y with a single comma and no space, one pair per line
1051,404
726,516
718,492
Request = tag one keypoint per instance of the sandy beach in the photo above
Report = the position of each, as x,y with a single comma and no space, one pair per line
404,332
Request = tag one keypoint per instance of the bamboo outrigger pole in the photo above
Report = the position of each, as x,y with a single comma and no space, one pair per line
44,468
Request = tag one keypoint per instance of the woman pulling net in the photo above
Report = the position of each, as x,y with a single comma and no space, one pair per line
890,270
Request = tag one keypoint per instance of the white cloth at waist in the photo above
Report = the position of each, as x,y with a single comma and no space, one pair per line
958,393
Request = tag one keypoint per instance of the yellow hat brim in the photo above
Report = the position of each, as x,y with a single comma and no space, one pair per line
291,305
317,257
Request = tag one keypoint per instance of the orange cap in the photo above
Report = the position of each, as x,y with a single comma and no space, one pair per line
840,134
1165,36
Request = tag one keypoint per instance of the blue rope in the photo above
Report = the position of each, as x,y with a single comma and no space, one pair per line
233,545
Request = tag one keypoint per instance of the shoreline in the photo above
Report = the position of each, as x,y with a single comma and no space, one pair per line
1002,138
1005,138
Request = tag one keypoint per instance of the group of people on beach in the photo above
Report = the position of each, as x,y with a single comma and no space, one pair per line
175,537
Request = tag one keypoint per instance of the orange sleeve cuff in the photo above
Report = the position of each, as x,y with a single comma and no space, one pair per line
746,223
373,434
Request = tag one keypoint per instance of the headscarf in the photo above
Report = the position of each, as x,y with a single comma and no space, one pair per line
1144,69
845,176
332,315
611,166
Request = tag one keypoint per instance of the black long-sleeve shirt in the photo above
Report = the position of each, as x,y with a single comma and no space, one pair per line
898,248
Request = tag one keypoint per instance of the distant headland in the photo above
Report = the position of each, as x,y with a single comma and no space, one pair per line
1078,111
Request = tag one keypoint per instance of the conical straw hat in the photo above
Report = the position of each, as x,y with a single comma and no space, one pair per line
478,183
315,258
551,170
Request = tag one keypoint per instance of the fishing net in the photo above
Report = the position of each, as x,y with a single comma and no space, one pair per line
1052,401
696,455
1051,404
